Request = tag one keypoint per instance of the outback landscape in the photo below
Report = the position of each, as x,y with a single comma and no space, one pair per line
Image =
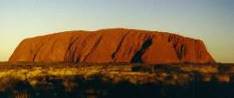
63,80
116,49
114,63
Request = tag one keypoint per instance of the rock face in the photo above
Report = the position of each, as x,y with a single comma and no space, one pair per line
112,46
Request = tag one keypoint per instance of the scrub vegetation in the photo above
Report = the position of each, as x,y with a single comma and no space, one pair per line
84,80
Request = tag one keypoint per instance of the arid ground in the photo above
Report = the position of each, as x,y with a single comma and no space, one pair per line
85,80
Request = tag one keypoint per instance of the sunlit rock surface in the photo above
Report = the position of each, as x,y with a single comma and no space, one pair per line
112,45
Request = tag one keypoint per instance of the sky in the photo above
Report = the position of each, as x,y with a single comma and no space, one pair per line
209,20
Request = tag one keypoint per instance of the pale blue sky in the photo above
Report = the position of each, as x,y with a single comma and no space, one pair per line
209,20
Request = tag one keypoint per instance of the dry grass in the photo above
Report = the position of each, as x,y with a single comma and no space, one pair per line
48,77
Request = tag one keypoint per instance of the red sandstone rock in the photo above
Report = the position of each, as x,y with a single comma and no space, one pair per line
112,45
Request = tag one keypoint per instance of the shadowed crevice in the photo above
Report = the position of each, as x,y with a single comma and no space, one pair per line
70,52
119,46
94,47
181,52
137,57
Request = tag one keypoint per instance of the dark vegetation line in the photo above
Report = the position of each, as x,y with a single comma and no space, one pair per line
95,87
111,63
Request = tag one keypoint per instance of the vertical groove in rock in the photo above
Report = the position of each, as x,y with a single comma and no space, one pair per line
93,47
70,53
137,57
119,45
37,51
